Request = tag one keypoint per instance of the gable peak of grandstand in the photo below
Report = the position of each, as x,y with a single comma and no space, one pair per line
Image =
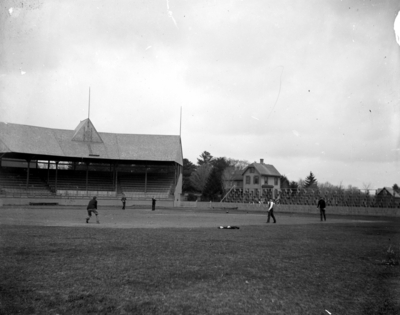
86,132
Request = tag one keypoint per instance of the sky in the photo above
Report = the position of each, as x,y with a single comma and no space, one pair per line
306,85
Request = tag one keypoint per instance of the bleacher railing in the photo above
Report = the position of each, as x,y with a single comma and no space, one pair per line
346,198
22,190
39,192
147,195
83,193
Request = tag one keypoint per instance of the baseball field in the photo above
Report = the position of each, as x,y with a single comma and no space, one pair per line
178,261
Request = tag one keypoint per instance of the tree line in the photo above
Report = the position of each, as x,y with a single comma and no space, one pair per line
206,179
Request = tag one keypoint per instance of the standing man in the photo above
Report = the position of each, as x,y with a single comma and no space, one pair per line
153,204
271,210
123,199
322,205
92,207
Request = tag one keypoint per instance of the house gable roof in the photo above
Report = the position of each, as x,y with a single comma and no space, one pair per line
389,190
263,169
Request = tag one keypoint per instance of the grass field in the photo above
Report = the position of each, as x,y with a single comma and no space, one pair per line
177,262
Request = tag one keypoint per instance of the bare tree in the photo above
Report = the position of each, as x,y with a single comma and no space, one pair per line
238,164
229,175
340,186
327,187
366,186
235,167
352,189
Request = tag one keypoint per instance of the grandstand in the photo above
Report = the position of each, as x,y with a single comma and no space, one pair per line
70,183
13,181
381,198
158,185
54,163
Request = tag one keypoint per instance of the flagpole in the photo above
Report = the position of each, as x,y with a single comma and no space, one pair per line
180,124
89,107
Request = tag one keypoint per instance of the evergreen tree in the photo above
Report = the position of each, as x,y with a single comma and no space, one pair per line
293,187
215,186
310,181
205,158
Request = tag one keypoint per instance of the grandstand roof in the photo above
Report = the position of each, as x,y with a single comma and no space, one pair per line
86,143
263,169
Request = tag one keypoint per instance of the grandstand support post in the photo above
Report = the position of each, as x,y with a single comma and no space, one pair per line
116,177
55,184
113,176
27,172
176,173
48,171
145,179
87,176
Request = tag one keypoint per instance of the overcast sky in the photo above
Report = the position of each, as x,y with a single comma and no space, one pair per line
306,85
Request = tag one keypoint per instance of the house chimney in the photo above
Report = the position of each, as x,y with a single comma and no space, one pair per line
262,161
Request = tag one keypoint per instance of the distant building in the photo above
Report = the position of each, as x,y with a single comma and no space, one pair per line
387,191
254,178
257,176
233,178
387,195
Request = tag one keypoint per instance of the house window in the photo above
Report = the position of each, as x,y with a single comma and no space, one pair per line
255,180
251,170
248,180
276,180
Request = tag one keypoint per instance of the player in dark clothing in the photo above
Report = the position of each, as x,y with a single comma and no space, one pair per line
322,205
92,208
123,199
